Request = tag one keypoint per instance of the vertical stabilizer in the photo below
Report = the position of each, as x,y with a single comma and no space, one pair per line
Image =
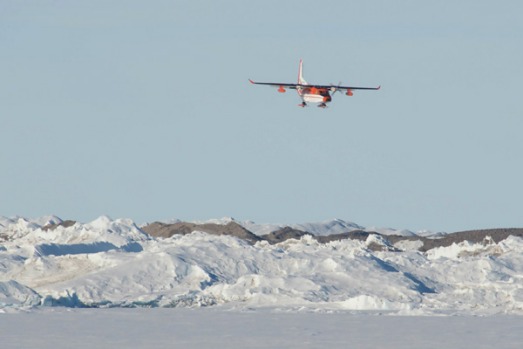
301,80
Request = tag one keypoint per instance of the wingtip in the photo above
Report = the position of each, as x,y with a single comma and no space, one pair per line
252,82
377,88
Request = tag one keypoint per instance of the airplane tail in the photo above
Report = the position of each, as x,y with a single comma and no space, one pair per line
301,80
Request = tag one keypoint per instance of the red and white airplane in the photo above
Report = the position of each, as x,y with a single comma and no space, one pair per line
310,93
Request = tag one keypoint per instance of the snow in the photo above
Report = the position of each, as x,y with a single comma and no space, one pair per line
336,226
111,263
56,328
206,291
408,244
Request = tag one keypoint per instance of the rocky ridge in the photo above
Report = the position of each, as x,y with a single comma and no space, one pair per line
164,230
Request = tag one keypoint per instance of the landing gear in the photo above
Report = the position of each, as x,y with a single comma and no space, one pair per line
303,105
322,105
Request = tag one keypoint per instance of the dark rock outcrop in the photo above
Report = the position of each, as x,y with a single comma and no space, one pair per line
284,234
66,224
164,230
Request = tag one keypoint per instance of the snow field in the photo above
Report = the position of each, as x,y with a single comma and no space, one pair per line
56,328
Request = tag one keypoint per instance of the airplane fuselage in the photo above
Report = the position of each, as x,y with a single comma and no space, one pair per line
314,95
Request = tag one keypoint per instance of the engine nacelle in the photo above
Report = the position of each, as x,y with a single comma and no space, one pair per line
349,93
281,89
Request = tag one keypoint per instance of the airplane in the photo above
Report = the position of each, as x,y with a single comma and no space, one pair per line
310,93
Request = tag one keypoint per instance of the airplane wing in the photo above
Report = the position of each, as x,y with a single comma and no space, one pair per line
275,84
327,87
345,88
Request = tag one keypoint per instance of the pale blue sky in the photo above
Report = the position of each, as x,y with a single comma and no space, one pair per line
142,109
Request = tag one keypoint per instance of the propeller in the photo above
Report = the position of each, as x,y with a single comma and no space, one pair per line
335,88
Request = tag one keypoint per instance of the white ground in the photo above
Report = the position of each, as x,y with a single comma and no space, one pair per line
55,328
221,292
